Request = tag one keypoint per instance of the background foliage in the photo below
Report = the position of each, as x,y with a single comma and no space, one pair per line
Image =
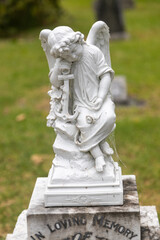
25,141
18,15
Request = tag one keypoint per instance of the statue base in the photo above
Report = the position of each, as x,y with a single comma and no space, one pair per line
90,189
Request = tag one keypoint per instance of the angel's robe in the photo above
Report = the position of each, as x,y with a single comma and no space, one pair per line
94,126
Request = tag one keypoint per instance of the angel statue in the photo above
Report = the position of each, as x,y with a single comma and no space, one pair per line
82,111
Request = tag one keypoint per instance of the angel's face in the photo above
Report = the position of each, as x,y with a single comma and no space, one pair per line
74,53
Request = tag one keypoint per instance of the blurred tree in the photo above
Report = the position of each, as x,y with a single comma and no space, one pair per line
18,15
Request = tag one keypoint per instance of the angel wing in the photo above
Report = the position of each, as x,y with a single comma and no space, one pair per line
51,61
44,43
99,36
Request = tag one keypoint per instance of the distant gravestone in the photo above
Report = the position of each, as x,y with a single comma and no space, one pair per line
119,90
111,12
128,3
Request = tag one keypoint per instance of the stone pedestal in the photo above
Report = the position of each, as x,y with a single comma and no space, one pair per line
77,223
64,223
104,189
74,181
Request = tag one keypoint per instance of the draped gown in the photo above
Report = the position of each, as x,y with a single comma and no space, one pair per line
94,126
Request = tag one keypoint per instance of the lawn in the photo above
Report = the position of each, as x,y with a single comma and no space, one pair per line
26,143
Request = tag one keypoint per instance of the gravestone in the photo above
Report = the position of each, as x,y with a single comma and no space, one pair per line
128,4
120,95
111,12
119,90
95,222
85,195
107,222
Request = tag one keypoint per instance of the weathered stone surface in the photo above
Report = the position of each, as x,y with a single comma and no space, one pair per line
103,222
150,228
87,220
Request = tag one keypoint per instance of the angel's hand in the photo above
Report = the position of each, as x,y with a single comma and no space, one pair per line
54,72
55,68
98,103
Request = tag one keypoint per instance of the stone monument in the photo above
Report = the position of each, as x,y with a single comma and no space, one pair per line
128,4
119,90
82,115
85,195
111,12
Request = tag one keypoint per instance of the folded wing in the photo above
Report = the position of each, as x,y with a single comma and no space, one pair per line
99,36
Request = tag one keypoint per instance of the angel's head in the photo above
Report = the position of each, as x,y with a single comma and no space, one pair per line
66,44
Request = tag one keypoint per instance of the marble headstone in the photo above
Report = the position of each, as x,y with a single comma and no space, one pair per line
129,221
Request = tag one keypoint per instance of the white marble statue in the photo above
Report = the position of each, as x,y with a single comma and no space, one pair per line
81,75
83,116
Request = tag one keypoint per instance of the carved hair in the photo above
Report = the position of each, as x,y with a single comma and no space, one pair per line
63,46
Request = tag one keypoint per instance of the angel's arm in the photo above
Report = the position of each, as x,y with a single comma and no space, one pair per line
105,74
104,85
53,74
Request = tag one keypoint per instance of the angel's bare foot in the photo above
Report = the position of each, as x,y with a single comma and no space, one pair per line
100,163
106,149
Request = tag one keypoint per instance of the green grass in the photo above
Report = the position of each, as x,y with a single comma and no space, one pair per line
26,143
